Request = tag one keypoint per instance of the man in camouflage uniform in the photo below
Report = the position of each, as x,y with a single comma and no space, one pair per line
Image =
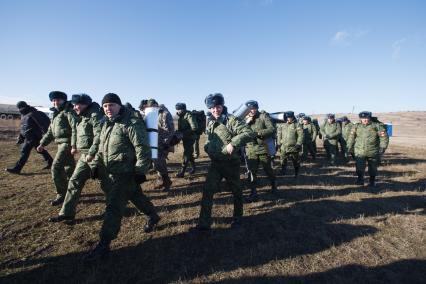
187,126
257,152
331,132
290,138
60,131
309,138
33,123
124,155
317,126
84,140
346,130
225,135
369,140
166,130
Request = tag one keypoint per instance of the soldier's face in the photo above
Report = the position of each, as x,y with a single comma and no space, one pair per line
179,111
365,120
111,109
57,103
290,119
216,111
330,120
79,108
253,112
305,122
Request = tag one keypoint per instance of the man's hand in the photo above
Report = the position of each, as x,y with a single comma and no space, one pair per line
40,148
88,158
73,151
229,148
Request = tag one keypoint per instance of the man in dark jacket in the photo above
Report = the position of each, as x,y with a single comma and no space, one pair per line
33,125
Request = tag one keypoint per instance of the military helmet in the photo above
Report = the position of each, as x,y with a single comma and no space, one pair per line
214,100
57,95
252,104
365,114
83,99
180,106
289,114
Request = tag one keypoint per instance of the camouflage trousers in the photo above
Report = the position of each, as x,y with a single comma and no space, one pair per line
188,151
331,151
308,148
293,156
160,164
361,163
62,168
230,170
197,146
254,161
119,189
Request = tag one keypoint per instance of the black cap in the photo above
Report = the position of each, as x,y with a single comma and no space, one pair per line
143,104
365,114
180,106
151,103
21,104
289,114
83,99
111,98
301,115
252,104
214,100
57,95
345,118
308,118
331,115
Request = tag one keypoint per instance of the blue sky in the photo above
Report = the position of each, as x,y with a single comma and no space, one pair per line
306,56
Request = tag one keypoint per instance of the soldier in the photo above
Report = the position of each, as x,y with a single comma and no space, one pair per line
166,130
33,125
346,130
225,135
142,107
331,132
290,139
369,141
85,140
187,126
124,156
257,153
309,138
60,131
316,124
300,117
201,127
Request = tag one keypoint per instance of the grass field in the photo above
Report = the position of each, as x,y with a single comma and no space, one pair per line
318,228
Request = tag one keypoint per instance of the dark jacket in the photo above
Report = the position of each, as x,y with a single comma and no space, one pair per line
32,122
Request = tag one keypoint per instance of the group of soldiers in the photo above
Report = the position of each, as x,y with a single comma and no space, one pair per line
113,147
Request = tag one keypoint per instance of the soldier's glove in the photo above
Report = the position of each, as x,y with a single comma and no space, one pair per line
298,147
382,151
140,178
94,173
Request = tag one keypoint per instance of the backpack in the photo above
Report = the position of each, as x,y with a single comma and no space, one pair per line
200,117
41,119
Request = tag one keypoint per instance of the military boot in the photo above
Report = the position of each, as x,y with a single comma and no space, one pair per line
253,194
57,201
372,181
284,168
14,170
360,180
152,221
181,173
166,182
60,218
99,252
192,171
296,171
274,188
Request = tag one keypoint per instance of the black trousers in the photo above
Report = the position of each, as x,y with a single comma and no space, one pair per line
27,146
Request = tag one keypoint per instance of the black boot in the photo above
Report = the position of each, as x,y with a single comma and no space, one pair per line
296,171
166,182
61,218
253,195
192,171
274,188
57,201
372,181
152,221
360,180
283,169
181,173
99,252
14,170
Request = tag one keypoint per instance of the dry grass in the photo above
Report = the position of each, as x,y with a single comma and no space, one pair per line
320,228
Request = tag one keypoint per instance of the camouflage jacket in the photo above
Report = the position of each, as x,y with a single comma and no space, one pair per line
331,132
166,128
263,128
346,130
309,133
87,129
187,125
226,129
123,146
288,136
60,129
366,140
